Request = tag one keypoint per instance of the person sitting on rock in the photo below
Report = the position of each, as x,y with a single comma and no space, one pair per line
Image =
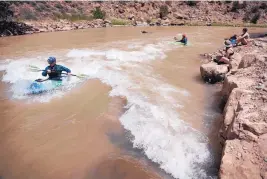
243,39
183,40
226,54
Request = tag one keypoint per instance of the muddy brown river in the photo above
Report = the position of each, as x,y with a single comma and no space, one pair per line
142,112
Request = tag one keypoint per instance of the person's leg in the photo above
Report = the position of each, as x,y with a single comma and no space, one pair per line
244,41
224,60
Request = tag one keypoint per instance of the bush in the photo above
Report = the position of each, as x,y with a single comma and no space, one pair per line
246,17
263,5
73,17
235,6
98,13
255,18
163,11
254,9
243,5
32,3
119,22
5,11
191,3
59,6
27,14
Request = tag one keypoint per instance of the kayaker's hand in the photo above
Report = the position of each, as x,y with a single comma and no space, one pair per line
48,71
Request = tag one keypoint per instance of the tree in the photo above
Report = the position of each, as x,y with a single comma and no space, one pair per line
5,12
98,13
163,11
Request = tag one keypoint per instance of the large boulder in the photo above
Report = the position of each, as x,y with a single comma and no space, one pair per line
235,61
241,159
212,72
247,60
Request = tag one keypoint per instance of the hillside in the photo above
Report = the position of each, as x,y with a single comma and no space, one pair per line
190,12
46,16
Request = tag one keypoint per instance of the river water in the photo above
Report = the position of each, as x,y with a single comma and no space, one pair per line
141,112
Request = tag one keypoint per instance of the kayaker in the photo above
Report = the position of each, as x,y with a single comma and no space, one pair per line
183,40
53,70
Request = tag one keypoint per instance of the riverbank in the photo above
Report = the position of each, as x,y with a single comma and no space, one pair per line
244,124
31,27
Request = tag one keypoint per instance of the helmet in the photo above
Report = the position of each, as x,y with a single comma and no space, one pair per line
184,35
51,60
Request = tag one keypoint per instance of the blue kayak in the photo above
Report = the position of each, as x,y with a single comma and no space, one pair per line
40,87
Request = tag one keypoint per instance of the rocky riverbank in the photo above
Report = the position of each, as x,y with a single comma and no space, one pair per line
244,124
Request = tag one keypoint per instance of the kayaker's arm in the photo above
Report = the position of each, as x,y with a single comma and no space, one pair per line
62,68
44,73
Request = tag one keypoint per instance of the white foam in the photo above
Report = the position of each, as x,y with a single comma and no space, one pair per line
151,117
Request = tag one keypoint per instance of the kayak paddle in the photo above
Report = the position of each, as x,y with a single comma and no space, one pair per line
37,69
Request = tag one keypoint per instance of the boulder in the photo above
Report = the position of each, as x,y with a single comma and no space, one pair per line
212,72
180,16
232,81
235,61
247,60
177,22
131,16
240,160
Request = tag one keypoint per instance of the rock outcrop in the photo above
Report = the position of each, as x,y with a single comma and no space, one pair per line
244,126
15,28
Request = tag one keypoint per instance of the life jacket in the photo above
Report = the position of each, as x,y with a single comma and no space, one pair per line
55,72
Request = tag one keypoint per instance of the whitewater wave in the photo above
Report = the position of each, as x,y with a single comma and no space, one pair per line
152,116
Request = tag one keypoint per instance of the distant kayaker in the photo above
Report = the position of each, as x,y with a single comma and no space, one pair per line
183,40
53,70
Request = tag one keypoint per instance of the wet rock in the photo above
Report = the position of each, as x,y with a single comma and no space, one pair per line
212,73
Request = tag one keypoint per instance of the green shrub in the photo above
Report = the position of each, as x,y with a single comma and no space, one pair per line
32,3
163,11
191,3
5,11
263,5
98,13
254,9
255,18
119,22
235,6
246,17
73,17
27,14
243,5
59,6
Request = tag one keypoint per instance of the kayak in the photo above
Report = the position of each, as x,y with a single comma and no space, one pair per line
40,87
179,43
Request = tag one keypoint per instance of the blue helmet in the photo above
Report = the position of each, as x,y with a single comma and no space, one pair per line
51,60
